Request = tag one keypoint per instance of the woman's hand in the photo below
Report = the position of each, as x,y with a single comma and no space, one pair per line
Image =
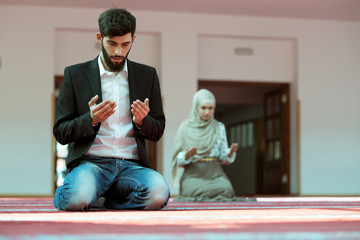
190,153
233,149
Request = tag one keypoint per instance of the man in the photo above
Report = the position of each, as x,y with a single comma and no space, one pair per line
107,107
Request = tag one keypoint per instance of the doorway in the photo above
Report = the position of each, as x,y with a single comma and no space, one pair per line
256,116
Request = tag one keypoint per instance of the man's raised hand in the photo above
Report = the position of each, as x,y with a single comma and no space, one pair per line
140,110
102,111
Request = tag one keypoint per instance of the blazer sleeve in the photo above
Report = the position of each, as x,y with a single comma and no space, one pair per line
72,117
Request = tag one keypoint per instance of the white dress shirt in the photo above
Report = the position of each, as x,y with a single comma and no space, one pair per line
116,136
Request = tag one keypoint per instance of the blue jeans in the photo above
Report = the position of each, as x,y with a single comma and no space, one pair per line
124,185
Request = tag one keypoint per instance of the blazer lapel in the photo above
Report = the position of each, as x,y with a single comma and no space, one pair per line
132,79
94,79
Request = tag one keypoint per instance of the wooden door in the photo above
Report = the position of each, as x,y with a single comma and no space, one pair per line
276,159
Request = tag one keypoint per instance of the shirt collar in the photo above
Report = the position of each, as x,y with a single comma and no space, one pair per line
104,71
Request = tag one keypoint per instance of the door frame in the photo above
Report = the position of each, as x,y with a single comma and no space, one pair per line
279,167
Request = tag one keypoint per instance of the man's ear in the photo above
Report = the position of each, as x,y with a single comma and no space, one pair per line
98,37
133,39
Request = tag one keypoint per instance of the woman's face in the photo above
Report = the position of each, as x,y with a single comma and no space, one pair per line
206,110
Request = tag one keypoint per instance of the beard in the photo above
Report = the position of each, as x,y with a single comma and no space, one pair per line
114,67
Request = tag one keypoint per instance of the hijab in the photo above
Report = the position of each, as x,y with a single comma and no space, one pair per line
195,132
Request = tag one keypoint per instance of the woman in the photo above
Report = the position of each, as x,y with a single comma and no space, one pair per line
201,148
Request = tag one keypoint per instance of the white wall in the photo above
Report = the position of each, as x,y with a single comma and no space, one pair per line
327,77
271,59
79,45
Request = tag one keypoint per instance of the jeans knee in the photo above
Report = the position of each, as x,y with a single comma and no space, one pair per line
76,206
159,198
76,201
156,203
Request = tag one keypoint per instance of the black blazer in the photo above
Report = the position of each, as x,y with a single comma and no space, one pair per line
82,82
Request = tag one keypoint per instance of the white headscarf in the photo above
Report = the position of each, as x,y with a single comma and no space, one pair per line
195,132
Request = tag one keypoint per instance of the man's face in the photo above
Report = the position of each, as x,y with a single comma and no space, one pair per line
115,50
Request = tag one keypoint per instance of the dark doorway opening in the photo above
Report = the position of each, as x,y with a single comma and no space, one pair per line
256,116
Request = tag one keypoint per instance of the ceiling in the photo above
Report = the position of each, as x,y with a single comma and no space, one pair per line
343,10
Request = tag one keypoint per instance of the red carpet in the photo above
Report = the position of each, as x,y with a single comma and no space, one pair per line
268,218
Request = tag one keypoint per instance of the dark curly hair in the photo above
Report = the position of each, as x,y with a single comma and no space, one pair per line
116,22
